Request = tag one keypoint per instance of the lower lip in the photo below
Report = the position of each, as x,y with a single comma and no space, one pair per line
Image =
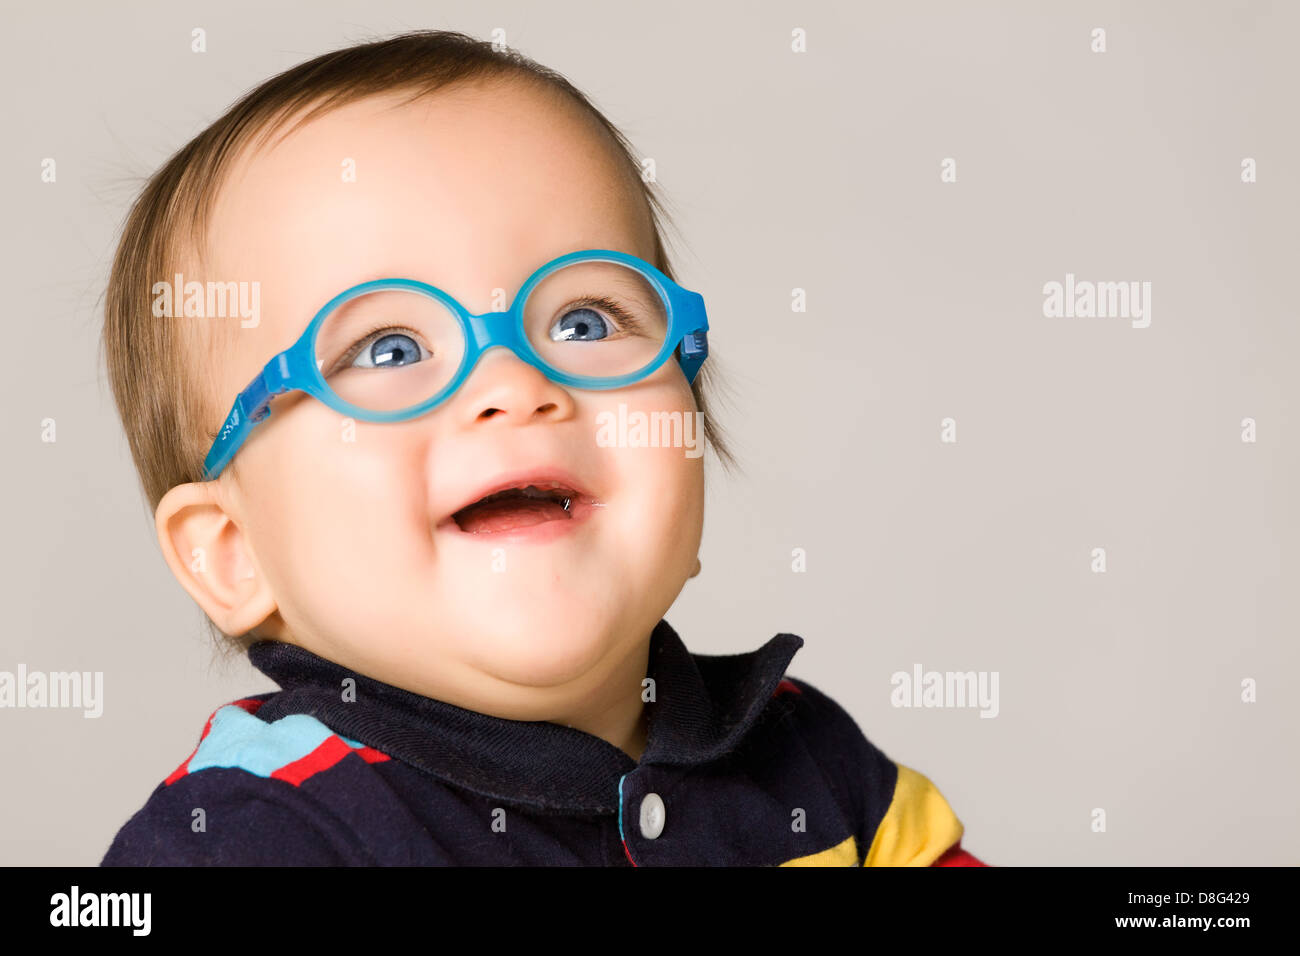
581,511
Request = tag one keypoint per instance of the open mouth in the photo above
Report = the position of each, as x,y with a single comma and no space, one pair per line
521,507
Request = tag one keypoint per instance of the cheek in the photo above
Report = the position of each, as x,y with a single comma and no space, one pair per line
339,520
663,486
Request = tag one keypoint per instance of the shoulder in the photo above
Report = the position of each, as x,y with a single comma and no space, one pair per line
903,818
855,767
238,798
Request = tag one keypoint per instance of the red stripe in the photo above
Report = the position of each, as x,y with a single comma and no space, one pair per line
371,755
183,769
956,856
786,686
629,854
330,751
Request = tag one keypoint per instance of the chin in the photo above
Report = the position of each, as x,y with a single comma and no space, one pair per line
543,649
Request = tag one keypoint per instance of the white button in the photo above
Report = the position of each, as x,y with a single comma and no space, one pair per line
652,816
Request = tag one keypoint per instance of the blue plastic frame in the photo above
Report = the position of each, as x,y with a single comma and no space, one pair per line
295,369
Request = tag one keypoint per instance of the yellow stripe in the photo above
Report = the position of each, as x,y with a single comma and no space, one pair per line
918,826
842,854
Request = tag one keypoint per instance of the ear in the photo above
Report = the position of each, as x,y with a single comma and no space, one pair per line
697,567
212,558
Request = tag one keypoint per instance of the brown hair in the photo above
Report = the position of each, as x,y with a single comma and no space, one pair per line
167,411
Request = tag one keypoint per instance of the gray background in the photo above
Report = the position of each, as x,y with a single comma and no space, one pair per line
821,171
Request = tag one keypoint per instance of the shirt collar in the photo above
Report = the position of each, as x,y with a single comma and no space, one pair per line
704,705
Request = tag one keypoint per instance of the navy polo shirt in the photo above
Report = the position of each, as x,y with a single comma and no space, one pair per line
743,766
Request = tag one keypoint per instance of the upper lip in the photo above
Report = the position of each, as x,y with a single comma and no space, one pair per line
540,476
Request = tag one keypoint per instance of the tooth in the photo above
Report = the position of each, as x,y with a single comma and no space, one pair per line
566,504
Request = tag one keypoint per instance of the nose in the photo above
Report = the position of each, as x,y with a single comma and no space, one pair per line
502,387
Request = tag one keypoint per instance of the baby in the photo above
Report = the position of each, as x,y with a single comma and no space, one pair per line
417,535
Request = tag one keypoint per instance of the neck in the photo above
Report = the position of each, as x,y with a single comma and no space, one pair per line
615,712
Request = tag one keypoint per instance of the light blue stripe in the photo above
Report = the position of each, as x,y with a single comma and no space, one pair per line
620,809
240,739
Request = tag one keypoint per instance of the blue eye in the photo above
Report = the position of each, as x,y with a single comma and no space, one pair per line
578,324
393,350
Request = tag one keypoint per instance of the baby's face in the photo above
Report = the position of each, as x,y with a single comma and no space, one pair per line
348,523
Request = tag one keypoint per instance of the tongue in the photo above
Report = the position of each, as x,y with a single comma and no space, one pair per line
506,514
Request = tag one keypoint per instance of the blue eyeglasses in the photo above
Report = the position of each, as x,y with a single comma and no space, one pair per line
393,349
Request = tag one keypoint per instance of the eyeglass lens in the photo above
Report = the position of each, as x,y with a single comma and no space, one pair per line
396,348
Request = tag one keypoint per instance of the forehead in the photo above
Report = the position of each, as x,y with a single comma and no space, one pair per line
470,188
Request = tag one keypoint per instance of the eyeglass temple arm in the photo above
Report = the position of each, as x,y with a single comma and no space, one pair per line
251,406
694,348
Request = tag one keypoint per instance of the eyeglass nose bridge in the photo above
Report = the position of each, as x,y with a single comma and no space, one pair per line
504,329
494,328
